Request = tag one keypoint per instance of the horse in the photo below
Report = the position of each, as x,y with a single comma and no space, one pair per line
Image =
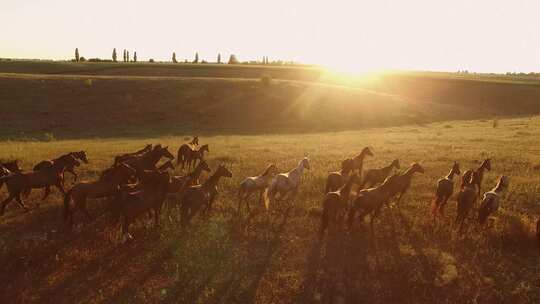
335,202
104,187
189,156
195,197
402,182
166,165
80,155
12,166
3,172
287,182
490,201
465,200
445,189
477,174
23,182
149,160
358,160
374,177
335,180
148,196
176,182
255,183
195,141
370,201
123,157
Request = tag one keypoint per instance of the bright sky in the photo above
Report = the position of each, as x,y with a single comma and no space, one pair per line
478,35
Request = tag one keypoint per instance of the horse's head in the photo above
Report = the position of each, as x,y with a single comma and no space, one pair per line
223,171
271,170
415,167
395,163
13,166
305,163
164,152
366,152
4,171
486,164
81,155
455,168
204,148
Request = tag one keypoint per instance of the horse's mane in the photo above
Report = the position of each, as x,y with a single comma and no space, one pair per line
267,170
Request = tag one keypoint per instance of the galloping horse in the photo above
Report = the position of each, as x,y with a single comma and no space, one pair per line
255,183
285,183
122,158
175,185
149,160
490,201
104,187
445,189
189,156
81,155
23,182
477,174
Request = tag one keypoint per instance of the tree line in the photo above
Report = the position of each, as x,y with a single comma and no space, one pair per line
126,58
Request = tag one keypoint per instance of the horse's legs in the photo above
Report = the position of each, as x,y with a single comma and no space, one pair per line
20,201
5,202
46,193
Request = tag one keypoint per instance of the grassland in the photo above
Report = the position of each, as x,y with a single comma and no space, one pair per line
278,258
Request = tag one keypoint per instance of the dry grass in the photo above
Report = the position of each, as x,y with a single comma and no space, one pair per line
231,257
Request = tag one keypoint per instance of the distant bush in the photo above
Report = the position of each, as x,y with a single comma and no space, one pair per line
151,60
49,136
99,60
82,59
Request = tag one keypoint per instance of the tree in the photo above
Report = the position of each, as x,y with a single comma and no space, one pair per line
233,59
127,56
77,54
174,57
135,56
196,58
124,55
218,58
114,55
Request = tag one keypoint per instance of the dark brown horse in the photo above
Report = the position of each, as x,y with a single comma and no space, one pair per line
466,198
195,141
376,176
477,175
149,160
402,182
335,203
149,196
335,180
105,187
81,155
196,197
122,158
189,156
445,189
12,166
23,182
358,160
175,185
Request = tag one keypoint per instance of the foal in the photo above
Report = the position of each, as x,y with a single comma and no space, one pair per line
445,189
195,197
490,201
335,203
255,183
335,180
376,176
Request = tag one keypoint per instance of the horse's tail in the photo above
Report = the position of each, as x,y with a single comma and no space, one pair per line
67,200
268,195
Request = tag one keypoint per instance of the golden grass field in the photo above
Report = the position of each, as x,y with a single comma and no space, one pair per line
232,257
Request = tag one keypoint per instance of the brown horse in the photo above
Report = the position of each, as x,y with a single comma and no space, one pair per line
445,189
195,197
358,160
335,203
189,156
175,185
195,141
335,180
165,166
370,201
122,158
12,166
149,196
81,155
23,182
104,187
376,176
402,182
149,160
466,198
477,175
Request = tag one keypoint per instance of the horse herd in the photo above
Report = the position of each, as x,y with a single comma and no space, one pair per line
136,186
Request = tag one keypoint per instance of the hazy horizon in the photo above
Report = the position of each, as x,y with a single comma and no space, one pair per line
484,36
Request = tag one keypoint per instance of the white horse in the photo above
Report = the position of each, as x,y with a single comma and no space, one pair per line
255,183
285,183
